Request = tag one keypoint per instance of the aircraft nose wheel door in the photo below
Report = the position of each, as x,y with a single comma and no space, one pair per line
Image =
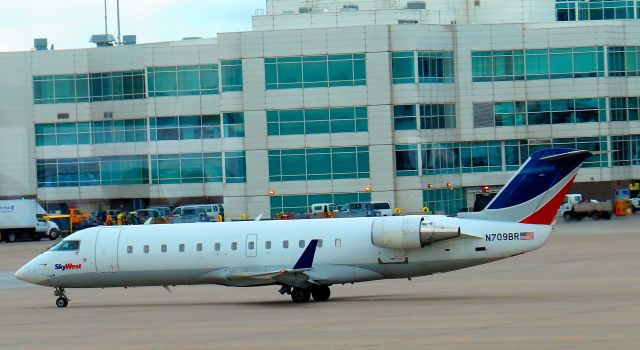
252,245
107,250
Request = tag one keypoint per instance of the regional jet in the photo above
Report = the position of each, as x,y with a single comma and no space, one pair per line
305,257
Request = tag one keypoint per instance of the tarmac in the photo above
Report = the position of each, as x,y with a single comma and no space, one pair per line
580,291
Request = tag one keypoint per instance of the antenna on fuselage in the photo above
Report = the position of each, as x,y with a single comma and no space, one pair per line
258,218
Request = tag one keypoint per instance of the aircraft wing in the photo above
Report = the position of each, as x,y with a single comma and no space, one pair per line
270,277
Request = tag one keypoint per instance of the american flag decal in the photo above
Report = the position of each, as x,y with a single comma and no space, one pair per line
526,236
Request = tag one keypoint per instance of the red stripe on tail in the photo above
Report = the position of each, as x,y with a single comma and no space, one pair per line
545,214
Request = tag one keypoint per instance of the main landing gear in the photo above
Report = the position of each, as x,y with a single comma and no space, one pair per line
303,295
62,300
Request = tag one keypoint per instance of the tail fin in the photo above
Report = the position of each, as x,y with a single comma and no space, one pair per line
534,194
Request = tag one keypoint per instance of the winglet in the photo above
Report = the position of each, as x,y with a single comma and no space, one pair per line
306,259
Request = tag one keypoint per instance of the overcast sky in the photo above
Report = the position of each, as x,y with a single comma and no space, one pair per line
69,23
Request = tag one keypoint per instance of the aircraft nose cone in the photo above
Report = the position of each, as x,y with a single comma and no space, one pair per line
27,274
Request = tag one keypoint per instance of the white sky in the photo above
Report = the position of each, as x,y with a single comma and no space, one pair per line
68,24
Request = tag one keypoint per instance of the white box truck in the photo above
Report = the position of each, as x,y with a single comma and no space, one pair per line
24,218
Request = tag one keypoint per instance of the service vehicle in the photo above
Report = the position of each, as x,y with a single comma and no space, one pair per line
574,207
212,210
304,258
319,208
357,209
24,218
383,207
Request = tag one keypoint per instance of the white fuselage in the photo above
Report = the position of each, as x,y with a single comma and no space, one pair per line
208,253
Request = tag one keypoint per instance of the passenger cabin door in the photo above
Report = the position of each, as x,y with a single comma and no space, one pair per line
252,245
107,250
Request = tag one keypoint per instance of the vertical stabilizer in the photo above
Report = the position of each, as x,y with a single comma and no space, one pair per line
534,194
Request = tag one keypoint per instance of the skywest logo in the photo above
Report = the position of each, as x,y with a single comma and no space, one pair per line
68,267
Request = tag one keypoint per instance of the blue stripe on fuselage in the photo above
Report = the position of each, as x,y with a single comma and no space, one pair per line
536,177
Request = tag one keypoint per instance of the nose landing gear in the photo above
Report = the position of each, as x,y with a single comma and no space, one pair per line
62,300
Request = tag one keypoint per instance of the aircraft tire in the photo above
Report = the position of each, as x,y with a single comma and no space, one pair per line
62,302
321,293
299,295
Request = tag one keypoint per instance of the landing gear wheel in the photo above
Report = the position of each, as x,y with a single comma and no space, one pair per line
321,293
62,302
299,295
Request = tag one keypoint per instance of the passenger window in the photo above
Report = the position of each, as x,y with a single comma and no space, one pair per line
199,247
234,246
267,245
301,243
181,247
285,244
217,246
338,242
129,249
251,245
163,248
145,249
319,243
67,246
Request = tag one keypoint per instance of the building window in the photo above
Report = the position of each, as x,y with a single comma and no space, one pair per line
145,249
235,167
182,80
593,10
231,75
181,247
285,244
315,71
301,203
233,124
317,121
624,61
435,67
533,64
438,116
101,171
444,201
234,246
185,128
85,133
571,111
404,117
624,108
129,249
163,248
406,160
77,88
199,247
186,168
319,164
402,67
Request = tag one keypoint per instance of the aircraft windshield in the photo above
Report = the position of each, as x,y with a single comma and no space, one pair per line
66,246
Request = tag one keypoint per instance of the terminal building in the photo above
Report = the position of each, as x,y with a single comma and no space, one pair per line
417,103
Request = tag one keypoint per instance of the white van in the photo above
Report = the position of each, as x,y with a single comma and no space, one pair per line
212,210
383,207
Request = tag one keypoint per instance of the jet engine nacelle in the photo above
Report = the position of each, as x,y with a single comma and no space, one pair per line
409,232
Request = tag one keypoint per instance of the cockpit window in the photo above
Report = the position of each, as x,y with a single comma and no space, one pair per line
66,246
